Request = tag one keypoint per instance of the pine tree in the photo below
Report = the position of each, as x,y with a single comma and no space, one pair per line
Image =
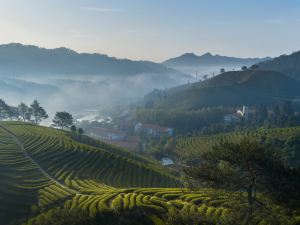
38,112
25,112
3,109
246,166
63,119
12,112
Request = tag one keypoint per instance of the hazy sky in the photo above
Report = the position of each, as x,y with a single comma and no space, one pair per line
155,29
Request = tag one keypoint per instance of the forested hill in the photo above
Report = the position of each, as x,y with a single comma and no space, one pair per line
234,88
287,64
28,59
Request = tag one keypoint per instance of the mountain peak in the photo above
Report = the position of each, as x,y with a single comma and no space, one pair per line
16,45
208,54
64,50
189,55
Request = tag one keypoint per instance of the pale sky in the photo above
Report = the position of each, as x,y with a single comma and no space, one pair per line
155,29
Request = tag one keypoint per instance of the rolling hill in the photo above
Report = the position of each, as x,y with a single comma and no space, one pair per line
18,59
287,64
190,147
43,168
233,89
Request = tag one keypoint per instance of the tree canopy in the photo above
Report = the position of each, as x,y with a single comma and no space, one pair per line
25,112
247,166
38,112
63,119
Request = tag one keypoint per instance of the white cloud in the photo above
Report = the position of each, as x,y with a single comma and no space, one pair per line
105,10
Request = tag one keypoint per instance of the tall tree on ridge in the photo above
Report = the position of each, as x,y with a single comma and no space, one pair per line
12,112
24,111
38,112
3,109
63,119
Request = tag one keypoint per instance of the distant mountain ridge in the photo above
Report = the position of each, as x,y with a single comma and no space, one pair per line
287,64
191,59
16,59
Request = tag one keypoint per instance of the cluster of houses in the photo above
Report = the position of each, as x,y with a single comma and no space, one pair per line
128,133
109,134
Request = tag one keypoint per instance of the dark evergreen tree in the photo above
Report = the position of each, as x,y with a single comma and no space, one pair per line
73,128
38,112
244,68
12,112
247,166
3,109
63,119
80,131
24,112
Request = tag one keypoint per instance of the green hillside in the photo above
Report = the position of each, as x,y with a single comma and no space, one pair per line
232,89
190,147
43,168
287,64
40,166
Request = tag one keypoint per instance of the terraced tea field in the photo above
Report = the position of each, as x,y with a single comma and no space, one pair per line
42,168
191,146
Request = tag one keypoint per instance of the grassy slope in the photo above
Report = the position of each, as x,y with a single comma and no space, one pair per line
234,88
287,64
44,167
191,147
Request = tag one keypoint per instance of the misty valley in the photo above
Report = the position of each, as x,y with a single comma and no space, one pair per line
149,112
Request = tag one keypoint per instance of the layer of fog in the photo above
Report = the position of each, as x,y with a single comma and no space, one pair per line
82,95
201,72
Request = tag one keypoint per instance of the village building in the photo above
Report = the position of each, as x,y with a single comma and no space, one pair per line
108,134
153,130
167,161
246,113
127,126
233,118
